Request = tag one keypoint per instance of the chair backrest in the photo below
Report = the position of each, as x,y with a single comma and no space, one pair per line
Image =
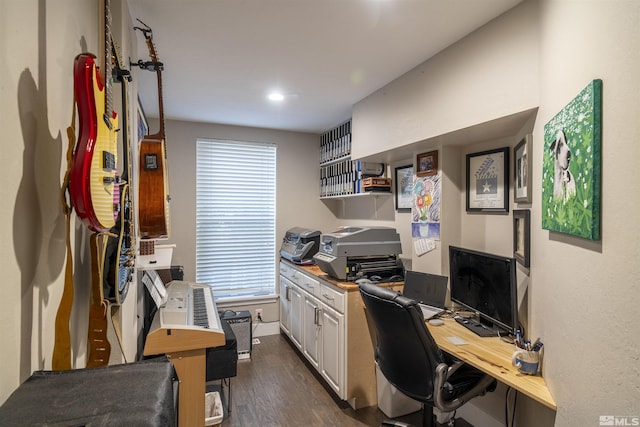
404,349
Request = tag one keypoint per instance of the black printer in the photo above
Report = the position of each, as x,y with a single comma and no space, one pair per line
299,245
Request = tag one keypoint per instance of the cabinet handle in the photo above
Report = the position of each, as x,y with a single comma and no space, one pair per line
316,317
287,293
329,297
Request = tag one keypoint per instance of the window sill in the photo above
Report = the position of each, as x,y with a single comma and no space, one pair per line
240,301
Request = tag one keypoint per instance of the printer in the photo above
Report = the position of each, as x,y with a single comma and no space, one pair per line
299,245
352,253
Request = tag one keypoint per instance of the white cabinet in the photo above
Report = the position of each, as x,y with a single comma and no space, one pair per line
312,316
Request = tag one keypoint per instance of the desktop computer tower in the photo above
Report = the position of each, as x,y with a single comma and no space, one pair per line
240,322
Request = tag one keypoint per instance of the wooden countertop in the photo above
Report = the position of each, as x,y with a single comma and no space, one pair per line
492,356
347,286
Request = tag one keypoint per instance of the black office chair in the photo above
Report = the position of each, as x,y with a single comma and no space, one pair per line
410,359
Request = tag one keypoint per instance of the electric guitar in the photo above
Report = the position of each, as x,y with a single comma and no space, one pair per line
153,193
120,253
93,169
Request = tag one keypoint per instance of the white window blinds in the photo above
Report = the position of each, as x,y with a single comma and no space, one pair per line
235,217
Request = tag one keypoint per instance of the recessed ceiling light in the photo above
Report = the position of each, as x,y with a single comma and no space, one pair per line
275,96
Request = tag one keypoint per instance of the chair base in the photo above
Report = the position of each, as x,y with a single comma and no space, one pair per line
429,419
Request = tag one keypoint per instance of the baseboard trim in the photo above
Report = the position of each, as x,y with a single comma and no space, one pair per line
263,329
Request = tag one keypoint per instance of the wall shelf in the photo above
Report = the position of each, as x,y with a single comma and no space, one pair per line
367,194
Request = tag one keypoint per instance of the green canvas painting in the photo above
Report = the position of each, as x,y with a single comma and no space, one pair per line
571,166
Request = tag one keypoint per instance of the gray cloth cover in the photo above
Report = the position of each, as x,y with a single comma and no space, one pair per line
134,394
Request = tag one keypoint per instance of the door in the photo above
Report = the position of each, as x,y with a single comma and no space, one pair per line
295,315
332,361
285,305
312,330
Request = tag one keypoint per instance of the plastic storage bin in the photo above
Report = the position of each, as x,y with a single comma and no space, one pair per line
391,401
213,412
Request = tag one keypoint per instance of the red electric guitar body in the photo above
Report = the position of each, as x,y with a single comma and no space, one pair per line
93,168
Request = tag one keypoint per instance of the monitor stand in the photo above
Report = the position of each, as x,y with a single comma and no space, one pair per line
477,327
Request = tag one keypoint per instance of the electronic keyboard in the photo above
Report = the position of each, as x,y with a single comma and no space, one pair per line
188,320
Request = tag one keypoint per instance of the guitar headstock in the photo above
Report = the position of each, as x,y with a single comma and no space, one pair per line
153,53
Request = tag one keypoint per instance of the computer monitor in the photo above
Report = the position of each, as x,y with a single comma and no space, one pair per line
485,284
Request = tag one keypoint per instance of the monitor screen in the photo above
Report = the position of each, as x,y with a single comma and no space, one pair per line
486,284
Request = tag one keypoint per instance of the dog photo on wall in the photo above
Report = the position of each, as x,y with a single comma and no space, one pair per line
571,166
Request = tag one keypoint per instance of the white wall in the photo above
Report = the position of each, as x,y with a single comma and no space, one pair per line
482,77
297,186
297,203
582,295
38,43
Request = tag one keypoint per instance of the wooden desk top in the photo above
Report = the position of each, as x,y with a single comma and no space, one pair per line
493,356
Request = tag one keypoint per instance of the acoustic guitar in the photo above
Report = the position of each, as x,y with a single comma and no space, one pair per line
153,193
93,169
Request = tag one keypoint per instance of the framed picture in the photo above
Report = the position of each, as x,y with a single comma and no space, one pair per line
571,166
488,181
427,163
404,188
521,236
522,170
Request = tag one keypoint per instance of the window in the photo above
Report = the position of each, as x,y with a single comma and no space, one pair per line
235,218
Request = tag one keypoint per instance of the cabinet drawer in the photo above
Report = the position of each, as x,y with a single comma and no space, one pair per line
286,270
307,283
331,297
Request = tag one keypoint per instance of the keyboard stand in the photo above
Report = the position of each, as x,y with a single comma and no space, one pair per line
186,348
190,366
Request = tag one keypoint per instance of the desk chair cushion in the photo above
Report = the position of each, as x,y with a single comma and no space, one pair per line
409,357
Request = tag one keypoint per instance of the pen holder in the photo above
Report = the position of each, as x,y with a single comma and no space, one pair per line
527,361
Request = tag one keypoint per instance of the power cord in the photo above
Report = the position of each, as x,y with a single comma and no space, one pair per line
511,418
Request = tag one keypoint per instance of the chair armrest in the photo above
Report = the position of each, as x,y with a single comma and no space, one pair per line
443,373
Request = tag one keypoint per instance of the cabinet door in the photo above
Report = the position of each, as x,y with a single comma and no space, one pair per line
332,360
296,301
312,330
285,305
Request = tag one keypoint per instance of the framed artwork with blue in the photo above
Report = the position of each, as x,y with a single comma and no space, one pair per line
571,166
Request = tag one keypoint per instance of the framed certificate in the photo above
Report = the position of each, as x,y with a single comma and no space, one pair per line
488,181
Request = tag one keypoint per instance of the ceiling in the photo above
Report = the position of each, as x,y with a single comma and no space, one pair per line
223,57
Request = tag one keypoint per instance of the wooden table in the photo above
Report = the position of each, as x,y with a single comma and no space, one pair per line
492,356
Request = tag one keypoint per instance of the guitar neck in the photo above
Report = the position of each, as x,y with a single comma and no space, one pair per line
105,67
160,135
160,107
124,77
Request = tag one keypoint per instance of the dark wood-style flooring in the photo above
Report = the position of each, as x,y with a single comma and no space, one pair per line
276,388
